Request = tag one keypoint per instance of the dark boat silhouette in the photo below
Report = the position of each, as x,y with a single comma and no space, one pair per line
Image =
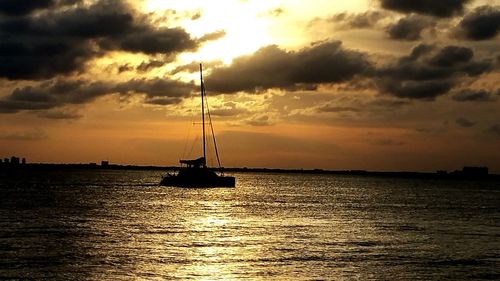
196,173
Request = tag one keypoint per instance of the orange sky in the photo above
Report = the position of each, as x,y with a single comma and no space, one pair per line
376,85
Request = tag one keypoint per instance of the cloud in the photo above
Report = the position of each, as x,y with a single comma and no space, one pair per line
260,120
272,67
59,93
419,51
481,24
195,66
145,65
60,115
408,28
357,20
151,41
17,8
452,55
196,16
465,123
52,94
228,109
276,12
428,89
336,109
124,68
441,8
156,87
60,41
212,36
429,71
473,95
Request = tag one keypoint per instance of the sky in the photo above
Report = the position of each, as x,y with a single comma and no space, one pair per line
384,85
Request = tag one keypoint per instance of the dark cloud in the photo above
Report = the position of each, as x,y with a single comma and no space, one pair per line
418,51
357,20
427,72
60,115
441,8
51,95
124,68
162,101
212,36
409,28
61,41
473,95
59,93
156,88
430,71
427,90
151,41
452,55
148,65
465,123
276,12
272,67
481,24
16,7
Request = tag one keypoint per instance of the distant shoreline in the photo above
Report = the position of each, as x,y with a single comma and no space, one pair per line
455,175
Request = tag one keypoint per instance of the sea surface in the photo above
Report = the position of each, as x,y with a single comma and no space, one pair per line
120,225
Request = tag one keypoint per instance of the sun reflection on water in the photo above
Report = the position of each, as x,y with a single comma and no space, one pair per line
284,227
209,236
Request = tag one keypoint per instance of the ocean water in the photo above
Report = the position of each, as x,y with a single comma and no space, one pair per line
119,225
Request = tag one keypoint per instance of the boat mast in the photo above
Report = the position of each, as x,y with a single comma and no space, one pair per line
213,134
202,89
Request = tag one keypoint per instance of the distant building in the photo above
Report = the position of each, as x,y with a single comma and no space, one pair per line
6,161
1,161
104,163
14,160
23,161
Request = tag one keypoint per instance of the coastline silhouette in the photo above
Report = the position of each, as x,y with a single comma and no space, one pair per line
466,173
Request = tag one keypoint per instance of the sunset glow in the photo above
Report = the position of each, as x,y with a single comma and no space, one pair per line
379,85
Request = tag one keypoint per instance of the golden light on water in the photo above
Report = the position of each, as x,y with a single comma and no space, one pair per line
211,237
344,123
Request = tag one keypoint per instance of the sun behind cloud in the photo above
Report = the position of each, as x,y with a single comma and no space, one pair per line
243,22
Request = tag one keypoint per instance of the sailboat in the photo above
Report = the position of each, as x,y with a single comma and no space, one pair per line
195,172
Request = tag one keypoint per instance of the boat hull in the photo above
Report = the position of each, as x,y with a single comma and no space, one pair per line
197,177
